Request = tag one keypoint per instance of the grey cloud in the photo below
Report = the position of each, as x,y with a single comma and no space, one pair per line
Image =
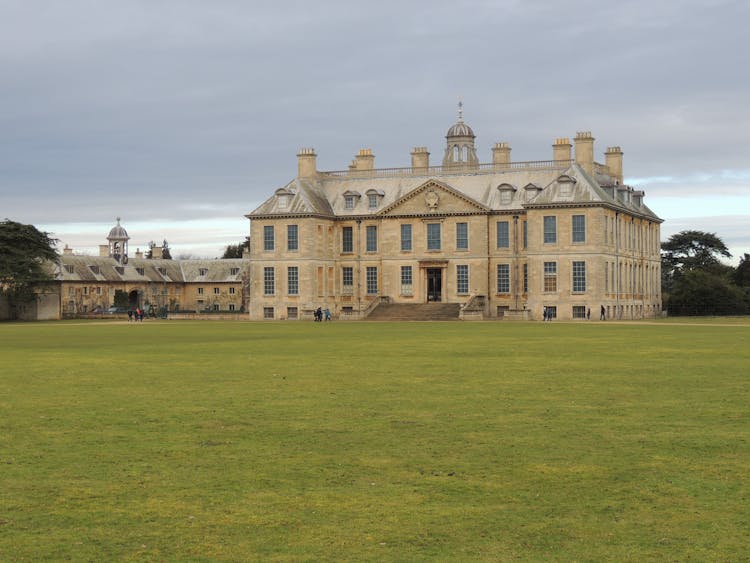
152,105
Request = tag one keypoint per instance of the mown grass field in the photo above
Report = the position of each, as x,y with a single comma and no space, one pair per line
375,441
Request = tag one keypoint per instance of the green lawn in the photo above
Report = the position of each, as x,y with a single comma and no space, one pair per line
374,441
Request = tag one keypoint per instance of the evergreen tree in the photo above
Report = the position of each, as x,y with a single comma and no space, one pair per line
742,273
693,250
695,281
698,292
25,256
236,250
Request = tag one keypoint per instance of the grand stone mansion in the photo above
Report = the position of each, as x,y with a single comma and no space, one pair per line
501,239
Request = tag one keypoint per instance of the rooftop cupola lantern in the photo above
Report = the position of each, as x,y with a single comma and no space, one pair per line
118,243
460,150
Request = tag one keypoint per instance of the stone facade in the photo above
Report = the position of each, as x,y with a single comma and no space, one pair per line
563,234
88,284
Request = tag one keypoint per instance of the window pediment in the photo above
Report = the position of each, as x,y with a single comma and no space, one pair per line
284,197
565,179
531,191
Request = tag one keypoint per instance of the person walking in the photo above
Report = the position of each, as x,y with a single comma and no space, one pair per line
602,315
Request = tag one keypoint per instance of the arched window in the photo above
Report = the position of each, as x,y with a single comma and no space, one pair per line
456,154
466,154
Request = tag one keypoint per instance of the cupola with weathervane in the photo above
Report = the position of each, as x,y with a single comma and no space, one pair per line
460,150
118,243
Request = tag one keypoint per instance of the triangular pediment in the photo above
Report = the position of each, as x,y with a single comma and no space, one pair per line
434,198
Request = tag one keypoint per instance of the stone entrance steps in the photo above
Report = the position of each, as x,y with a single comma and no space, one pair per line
415,312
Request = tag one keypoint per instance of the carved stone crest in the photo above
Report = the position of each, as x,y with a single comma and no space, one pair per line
432,199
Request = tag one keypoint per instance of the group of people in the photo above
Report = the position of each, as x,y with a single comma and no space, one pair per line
136,315
319,314
549,313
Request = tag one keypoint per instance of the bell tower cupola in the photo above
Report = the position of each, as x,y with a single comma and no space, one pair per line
460,151
118,243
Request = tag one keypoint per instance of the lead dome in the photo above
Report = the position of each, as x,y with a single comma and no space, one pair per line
118,232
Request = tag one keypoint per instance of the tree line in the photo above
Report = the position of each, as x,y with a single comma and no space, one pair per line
696,282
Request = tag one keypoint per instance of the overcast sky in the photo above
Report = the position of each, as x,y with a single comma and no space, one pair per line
182,116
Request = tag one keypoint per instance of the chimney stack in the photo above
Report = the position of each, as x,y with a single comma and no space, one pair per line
613,160
157,252
103,250
561,149
67,251
501,153
420,159
585,151
364,160
138,253
307,163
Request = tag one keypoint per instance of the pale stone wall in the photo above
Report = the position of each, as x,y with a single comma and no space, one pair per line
622,272
313,258
208,296
620,252
78,297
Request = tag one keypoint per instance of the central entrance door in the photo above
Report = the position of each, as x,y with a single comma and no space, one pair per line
434,284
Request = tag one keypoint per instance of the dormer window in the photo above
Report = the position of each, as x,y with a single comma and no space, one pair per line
69,268
141,271
162,270
350,199
120,270
234,271
566,184
531,191
94,269
506,193
284,198
202,271
374,198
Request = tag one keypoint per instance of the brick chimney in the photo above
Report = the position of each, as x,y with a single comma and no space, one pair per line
157,252
103,250
307,163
